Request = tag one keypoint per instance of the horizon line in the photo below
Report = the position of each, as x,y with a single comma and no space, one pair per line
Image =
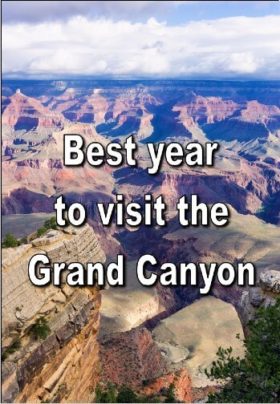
96,78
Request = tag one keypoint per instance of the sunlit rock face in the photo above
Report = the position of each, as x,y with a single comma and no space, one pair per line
264,294
130,358
28,113
64,366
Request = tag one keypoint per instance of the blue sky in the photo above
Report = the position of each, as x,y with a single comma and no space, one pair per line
220,9
189,39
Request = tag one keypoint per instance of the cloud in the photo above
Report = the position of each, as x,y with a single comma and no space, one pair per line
39,11
227,47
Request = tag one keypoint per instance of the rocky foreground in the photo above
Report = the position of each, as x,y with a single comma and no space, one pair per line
64,365
142,341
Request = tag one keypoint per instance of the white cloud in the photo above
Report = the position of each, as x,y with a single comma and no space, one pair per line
233,46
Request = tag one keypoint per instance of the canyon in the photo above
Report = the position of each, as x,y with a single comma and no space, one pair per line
131,338
146,338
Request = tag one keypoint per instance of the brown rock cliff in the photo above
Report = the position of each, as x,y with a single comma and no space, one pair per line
64,366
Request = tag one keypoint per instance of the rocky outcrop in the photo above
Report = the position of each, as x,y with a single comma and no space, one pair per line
206,109
263,295
257,112
130,358
40,170
26,113
245,186
64,365
180,380
133,359
270,282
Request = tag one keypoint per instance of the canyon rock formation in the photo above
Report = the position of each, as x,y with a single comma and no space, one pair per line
134,333
64,365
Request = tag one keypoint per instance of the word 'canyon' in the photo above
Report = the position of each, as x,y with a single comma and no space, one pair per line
114,274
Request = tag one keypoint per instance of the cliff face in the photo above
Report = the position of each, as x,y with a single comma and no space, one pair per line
182,386
263,295
24,112
64,365
130,358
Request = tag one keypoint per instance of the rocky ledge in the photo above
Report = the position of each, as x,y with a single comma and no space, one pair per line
263,295
61,364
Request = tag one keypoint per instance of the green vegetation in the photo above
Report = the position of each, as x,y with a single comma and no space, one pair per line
10,241
170,397
126,395
40,329
256,377
110,393
48,224
41,231
12,348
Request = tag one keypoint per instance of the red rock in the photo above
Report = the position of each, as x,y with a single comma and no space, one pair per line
130,358
182,386
27,110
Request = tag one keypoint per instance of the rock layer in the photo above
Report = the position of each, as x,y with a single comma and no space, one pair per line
64,366
130,358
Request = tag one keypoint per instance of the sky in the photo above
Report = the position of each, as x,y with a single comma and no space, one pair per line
141,39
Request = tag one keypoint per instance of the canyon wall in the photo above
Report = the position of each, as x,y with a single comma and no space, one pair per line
263,295
64,365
